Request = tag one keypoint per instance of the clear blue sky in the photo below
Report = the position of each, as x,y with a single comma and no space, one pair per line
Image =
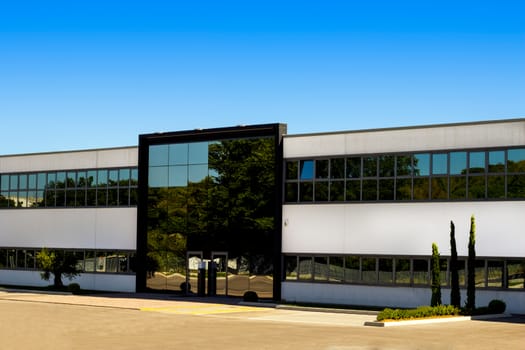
80,74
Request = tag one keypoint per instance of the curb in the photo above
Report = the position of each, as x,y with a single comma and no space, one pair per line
434,320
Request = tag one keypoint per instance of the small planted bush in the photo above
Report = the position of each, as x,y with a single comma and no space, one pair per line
420,312
250,296
74,288
497,306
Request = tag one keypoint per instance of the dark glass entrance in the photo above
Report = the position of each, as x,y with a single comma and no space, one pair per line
211,197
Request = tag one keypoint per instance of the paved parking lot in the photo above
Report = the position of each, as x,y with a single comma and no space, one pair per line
47,321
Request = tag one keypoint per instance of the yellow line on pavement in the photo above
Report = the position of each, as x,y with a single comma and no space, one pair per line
201,309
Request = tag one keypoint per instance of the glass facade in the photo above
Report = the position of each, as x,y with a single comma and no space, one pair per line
212,201
88,261
502,273
492,174
111,187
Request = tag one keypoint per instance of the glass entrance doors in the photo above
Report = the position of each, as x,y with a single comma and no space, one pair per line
219,261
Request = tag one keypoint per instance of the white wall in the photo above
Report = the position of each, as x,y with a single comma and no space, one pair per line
324,293
102,228
425,138
404,228
93,281
91,159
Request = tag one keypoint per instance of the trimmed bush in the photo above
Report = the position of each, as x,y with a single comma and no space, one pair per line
185,287
497,306
250,296
420,312
74,288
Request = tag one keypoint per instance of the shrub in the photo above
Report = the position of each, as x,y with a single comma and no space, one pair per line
420,312
497,306
250,296
74,288
185,287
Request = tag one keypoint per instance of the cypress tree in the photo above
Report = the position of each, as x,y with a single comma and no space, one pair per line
455,296
436,277
471,268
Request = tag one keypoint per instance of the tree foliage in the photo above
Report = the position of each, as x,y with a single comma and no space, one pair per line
436,277
471,268
455,296
57,263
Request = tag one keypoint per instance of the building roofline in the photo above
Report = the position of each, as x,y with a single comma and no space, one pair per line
69,151
429,126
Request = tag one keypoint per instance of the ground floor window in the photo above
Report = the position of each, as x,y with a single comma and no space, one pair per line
503,273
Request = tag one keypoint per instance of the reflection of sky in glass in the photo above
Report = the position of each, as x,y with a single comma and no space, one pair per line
516,155
158,155
178,176
178,154
197,173
477,160
439,163
458,163
198,153
422,164
307,169
158,176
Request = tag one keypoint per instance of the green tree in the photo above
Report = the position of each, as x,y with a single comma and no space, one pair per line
471,268
436,277
58,263
455,296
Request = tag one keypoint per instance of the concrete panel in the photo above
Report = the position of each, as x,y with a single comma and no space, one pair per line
105,282
104,228
404,228
103,158
426,138
346,294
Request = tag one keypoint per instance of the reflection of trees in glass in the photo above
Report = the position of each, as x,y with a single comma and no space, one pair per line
231,210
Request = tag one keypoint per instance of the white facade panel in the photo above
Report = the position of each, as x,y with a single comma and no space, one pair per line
103,158
380,296
91,281
497,134
404,228
86,228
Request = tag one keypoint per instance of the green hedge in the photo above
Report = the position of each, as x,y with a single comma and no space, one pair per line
420,312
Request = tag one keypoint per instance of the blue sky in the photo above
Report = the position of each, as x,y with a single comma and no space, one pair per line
90,74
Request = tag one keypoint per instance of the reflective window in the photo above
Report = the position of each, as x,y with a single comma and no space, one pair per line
352,269
337,191
22,182
476,187
516,160
290,267
386,190
197,173
305,268
158,177
321,169
178,154
291,192
336,269
337,168
291,170
516,186
386,270
353,190
307,170
496,161
369,190
439,189
198,153
421,164
158,155
421,188
515,274
495,273
458,187
476,162
386,166
458,163
178,176
321,268
402,271
353,167
403,165
439,164
321,191
368,270
369,166
420,272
